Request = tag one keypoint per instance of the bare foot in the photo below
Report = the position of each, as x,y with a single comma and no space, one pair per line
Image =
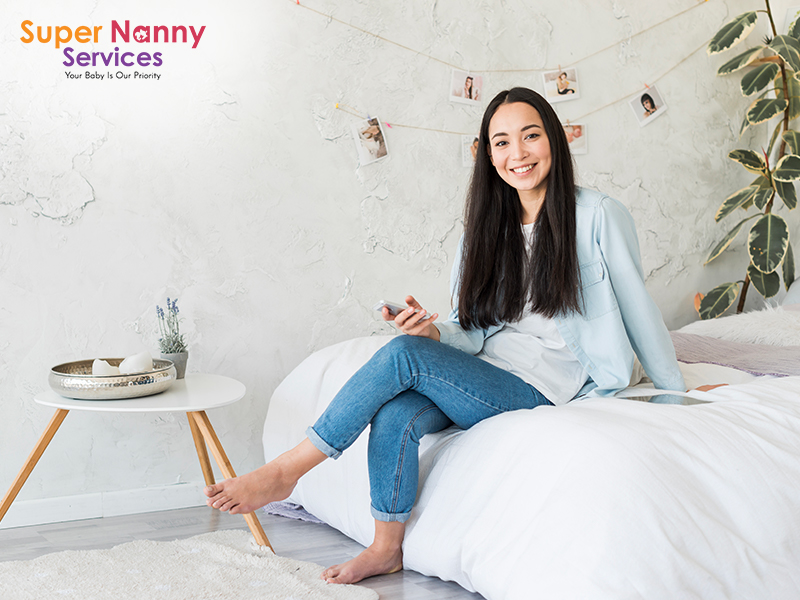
370,562
246,493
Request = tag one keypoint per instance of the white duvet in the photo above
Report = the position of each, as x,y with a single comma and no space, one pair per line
598,499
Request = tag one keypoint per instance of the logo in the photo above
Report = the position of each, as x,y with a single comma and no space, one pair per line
155,37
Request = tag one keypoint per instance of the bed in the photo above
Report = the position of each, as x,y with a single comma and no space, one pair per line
599,499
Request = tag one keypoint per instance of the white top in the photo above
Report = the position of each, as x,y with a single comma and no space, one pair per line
197,391
533,350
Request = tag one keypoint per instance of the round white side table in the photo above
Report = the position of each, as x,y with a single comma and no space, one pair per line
194,394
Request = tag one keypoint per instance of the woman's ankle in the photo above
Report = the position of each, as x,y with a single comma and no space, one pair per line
389,536
299,460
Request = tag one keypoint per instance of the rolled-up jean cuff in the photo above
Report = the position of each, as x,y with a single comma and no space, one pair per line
389,517
322,445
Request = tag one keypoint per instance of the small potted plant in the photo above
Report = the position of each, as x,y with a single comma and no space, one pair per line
171,342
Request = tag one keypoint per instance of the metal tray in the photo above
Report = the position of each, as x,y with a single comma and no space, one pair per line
75,380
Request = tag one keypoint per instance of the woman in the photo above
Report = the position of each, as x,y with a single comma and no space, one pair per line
562,85
473,149
470,91
548,292
372,139
649,105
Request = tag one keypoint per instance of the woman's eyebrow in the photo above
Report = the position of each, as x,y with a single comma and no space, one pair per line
523,129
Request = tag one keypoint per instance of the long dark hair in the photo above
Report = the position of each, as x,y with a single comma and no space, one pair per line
497,277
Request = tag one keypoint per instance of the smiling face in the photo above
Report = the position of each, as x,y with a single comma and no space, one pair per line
520,150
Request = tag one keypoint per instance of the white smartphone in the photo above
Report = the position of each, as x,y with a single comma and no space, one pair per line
395,308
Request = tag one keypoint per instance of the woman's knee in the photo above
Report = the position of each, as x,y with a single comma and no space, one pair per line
404,342
406,346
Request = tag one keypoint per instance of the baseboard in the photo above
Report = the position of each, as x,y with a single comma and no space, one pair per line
103,504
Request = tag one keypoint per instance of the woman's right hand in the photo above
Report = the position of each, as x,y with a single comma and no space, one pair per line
411,322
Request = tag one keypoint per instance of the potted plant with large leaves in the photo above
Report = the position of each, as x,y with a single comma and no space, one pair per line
773,69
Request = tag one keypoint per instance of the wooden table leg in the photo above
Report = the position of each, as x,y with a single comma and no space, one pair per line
204,425
34,457
202,453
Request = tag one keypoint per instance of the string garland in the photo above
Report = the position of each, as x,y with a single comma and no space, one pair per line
664,74
354,112
375,35
538,70
350,110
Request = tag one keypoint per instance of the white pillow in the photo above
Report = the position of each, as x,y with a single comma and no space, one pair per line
771,326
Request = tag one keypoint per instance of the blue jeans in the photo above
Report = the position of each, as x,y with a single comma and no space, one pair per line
410,387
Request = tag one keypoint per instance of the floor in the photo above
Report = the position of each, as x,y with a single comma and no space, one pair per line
296,539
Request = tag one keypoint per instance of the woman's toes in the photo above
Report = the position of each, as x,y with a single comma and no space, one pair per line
219,502
330,574
212,490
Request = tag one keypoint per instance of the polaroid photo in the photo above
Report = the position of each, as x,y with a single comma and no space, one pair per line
561,85
469,150
648,105
370,141
576,137
465,87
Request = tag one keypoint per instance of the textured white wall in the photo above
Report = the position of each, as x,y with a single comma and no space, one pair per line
232,184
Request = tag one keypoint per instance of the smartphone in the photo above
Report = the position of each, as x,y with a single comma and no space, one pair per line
395,308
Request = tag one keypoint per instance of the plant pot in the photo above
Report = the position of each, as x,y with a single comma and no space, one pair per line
179,358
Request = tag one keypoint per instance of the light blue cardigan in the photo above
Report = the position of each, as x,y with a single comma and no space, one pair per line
619,316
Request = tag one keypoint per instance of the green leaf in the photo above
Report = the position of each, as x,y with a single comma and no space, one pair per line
763,196
732,33
741,61
761,181
726,241
718,300
794,94
758,78
794,28
764,110
787,193
767,242
788,168
774,137
792,138
752,161
767,284
789,50
788,267
734,201
745,125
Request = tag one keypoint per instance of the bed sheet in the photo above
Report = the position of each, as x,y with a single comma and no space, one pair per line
601,498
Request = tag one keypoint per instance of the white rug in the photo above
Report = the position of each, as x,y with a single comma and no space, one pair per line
219,565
